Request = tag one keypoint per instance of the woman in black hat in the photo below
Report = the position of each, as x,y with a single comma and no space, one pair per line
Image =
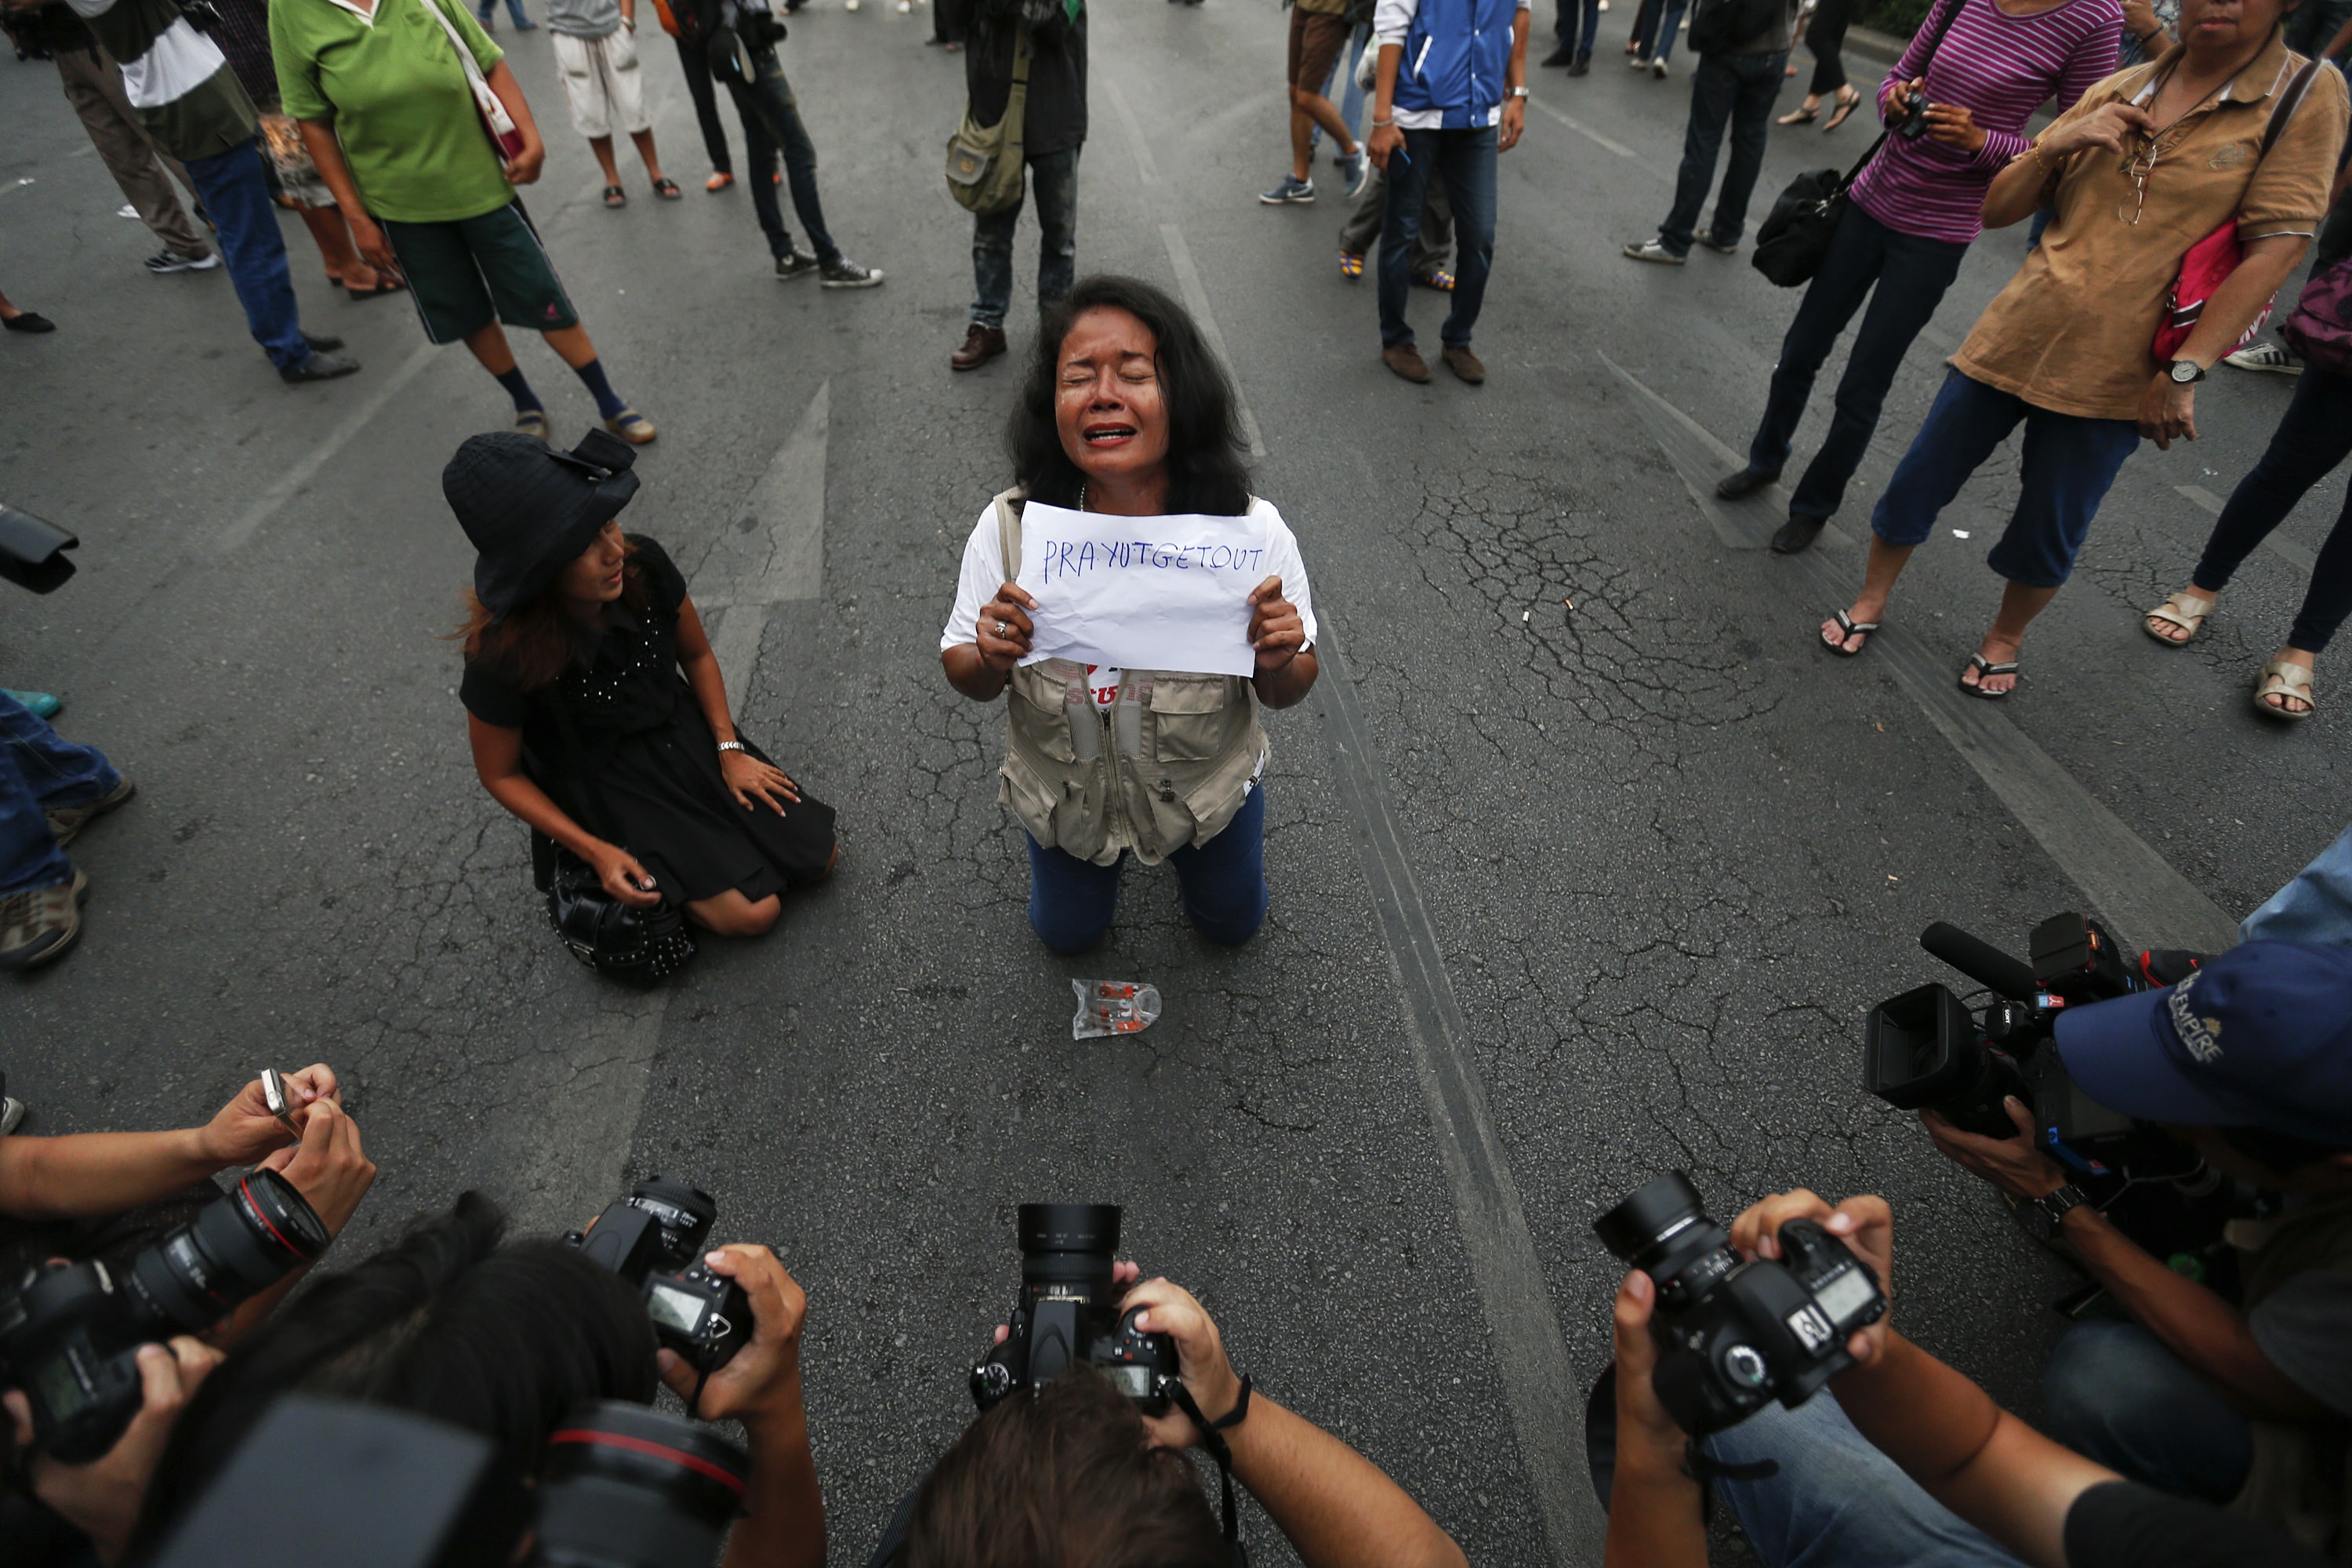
596,707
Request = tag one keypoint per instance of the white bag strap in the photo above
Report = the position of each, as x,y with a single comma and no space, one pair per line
483,94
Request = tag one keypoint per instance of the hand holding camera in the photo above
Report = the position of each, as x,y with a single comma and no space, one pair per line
1161,1306
102,1497
765,1373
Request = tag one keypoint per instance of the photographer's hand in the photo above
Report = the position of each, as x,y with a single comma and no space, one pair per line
328,1168
1864,1224
1654,1505
2012,1164
102,1498
243,1131
783,1522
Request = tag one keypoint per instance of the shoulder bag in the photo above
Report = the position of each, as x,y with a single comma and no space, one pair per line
636,947
2211,259
1791,241
506,140
986,169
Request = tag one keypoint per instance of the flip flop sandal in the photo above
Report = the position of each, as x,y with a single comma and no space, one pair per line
385,283
1801,117
1351,266
1838,116
667,189
2280,678
531,422
1441,281
1849,626
615,197
2181,611
1986,669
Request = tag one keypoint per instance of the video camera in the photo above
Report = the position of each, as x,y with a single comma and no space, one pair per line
70,1333
1926,1050
654,1239
622,1486
1068,1313
1734,1335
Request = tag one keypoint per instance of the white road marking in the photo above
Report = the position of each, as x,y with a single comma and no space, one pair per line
571,1157
2286,550
1593,136
1146,168
773,553
1196,299
2134,887
290,483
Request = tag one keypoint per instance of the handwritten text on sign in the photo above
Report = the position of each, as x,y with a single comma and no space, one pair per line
1143,593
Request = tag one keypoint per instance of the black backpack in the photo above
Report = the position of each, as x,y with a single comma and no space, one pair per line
1719,26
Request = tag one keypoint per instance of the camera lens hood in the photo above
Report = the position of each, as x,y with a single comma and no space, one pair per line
238,1247
1658,1211
622,1483
1091,1228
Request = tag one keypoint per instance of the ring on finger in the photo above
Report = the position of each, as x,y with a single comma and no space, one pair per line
1003,627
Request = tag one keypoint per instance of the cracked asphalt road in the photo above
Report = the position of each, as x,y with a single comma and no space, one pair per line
1672,853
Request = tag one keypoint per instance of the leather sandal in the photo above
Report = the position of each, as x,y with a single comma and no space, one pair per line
615,197
2280,678
2186,610
1846,107
1850,627
1986,669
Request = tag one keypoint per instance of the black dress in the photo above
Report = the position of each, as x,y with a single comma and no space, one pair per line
620,744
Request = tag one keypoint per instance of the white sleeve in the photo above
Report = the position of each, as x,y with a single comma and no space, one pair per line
976,585
1286,562
1391,18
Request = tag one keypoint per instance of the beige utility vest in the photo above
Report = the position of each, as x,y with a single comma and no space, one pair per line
1169,765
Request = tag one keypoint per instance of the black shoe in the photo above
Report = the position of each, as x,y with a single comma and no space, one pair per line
1562,56
1583,66
1743,484
319,367
1798,533
321,344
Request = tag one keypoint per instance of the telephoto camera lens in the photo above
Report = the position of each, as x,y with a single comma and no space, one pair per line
627,1487
1068,1313
71,1333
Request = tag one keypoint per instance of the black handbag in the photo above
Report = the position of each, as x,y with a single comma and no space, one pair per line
1795,237
636,947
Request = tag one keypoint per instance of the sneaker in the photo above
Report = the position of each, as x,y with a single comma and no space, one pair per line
531,422
1720,245
1658,70
38,926
843,273
165,262
1355,173
12,1114
1652,250
65,821
632,426
1406,361
795,263
1639,62
1292,191
42,704
319,367
2263,355
1583,66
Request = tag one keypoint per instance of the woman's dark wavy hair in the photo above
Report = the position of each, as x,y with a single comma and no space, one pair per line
501,1340
1206,473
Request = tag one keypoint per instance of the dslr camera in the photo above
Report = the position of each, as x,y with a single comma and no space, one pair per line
655,1239
1068,1314
1914,123
1735,1335
70,1333
1926,1050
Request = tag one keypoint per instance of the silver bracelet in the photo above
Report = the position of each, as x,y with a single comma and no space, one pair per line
730,745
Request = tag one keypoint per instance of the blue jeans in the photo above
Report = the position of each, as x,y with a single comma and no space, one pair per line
2117,1395
236,197
2312,440
2314,907
38,770
1836,1502
1905,279
1737,88
1223,883
514,9
1053,190
2070,464
1564,21
1648,24
1465,160
771,119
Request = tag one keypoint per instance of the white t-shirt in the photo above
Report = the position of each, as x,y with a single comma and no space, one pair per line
984,572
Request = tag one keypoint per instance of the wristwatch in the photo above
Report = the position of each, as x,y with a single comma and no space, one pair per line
2185,372
1519,92
2041,1216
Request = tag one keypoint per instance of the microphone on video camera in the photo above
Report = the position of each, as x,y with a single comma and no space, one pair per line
1980,962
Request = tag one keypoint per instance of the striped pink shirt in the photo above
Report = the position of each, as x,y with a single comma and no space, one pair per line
2001,69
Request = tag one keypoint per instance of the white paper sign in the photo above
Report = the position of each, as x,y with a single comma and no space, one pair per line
1143,593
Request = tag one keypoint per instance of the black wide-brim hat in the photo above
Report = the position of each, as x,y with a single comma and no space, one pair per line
531,510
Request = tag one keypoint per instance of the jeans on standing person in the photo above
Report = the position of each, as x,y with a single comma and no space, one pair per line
2070,462
771,119
1223,881
1564,25
40,770
514,9
705,93
2117,1395
1835,1501
236,195
1054,189
1465,160
1738,89
2314,907
1655,33
1904,278
2313,439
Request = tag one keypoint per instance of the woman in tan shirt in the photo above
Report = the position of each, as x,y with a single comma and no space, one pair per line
2146,165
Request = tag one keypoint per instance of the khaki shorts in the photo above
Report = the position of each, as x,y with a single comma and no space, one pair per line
601,81
1317,39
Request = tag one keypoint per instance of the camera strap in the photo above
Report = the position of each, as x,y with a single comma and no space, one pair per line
1213,1439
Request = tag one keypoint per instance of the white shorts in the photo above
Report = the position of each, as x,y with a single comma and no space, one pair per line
602,82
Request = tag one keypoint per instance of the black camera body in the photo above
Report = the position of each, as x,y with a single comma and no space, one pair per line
1925,1050
1914,123
654,1239
1734,1335
1068,1313
70,1333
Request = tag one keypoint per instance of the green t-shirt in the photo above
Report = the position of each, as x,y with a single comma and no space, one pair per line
396,95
